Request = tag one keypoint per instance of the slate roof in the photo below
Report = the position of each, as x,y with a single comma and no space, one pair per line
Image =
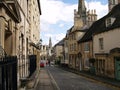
60,43
99,26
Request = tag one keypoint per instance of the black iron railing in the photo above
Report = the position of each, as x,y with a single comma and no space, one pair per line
8,73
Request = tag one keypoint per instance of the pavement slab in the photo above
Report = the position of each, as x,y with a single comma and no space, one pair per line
46,82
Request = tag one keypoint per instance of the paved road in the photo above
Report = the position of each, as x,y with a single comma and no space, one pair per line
70,81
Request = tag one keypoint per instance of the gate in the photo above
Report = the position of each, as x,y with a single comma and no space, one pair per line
8,71
33,64
117,68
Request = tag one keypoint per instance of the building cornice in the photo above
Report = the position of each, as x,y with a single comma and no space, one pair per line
15,14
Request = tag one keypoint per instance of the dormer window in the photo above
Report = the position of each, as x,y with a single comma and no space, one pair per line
109,21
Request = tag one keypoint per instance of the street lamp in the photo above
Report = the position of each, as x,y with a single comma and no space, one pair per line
2,52
39,44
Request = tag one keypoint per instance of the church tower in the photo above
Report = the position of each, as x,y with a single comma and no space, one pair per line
112,3
82,10
78,22
88,17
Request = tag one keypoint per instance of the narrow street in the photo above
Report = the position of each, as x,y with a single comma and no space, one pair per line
65,80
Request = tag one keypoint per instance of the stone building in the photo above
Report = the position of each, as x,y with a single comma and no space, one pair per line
82,21
29,35
106,45
101,45
9,33
19,26
58,51
65,50
9,19
85,50
74,35
44,52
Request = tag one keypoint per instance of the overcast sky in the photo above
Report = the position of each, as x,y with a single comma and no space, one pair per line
57,16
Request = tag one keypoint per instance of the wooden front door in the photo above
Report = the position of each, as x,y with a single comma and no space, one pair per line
117,68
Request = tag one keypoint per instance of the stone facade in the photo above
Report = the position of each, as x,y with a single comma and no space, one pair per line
106,45
74,35
105,64
44,52
9,20
17,29
82,21
105,60
58,50
85,53
66,55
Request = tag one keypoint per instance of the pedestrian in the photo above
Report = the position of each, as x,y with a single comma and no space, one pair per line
49,62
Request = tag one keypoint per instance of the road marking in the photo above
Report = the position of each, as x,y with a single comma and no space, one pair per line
53,80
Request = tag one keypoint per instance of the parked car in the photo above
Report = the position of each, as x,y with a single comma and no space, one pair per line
42,64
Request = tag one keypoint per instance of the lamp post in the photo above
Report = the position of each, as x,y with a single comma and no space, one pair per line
2,52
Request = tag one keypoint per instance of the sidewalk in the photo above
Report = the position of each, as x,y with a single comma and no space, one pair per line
46,82
106,80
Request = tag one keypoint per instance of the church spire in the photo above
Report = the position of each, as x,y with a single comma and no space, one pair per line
82,10
50,47
50,43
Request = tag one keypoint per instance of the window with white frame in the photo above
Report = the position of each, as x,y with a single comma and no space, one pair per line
101,46
109,21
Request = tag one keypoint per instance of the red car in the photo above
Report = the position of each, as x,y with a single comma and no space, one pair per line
42,64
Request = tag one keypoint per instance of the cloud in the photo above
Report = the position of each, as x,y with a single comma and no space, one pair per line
54,11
